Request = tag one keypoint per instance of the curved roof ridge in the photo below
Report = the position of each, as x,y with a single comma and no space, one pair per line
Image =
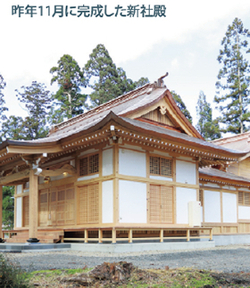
105,106
235,137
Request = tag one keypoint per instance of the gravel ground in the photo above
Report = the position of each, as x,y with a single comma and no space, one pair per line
233,258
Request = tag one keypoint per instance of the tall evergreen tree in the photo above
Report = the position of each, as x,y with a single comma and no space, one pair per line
142,81
234,79
207,127
69,99
3,108
13,128
182,106
8,207
102,76
37,102
105,79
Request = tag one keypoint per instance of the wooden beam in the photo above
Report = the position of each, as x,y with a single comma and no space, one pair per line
35,150
67,168
33,205
14,177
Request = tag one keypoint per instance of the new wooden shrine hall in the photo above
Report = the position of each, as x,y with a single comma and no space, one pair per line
127,167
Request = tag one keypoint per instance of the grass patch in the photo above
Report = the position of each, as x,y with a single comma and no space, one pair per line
53,272
142,278
11,275
51,278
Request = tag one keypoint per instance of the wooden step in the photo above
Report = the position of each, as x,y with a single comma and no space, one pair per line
45,236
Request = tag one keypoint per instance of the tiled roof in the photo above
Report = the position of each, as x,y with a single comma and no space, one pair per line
181,136
121,105
239,142
147,128
221,174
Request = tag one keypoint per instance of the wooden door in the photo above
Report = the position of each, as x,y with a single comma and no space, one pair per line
161,204
43,207
26,211
88,205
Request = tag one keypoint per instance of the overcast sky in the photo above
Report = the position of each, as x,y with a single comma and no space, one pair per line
185,43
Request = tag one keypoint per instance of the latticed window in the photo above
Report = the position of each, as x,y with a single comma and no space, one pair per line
43,198
244,198
161,166
89,165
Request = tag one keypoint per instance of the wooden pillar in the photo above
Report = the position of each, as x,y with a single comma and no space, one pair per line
33,207
86,236
130,236
188,235
161,235
211,234
113,235
1,214
100,235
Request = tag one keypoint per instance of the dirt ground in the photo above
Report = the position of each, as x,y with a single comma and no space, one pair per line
123,274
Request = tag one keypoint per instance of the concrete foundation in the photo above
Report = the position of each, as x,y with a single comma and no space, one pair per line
107,248
141,247
222,240
26,247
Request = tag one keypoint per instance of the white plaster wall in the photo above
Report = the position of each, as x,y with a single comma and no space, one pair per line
19,212
244,189
132,163
107,201
87,177
244,212
90,151
107,162
133,147
132,202
19,189
160,178
212,206
211,185
183,196
186,158
229,187
185,172
229,202
156,152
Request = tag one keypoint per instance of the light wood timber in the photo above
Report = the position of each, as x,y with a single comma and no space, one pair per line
63,181
100,235
158,235
34,150
161,235
130,236
67,168
21,194
86,236
14,177
113,235
33,205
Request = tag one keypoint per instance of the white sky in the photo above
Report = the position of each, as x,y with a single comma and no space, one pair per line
185,43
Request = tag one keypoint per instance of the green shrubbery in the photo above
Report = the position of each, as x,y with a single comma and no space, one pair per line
11,276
